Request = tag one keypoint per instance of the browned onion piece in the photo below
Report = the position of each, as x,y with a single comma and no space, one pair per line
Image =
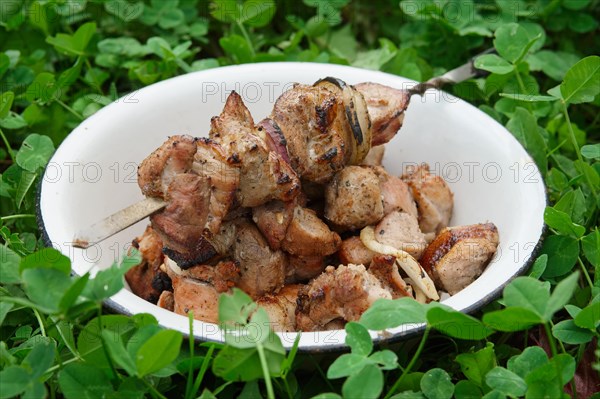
357,116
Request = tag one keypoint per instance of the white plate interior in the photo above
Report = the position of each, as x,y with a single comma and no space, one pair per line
93,172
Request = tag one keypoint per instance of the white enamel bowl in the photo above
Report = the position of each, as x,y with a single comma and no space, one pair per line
93,173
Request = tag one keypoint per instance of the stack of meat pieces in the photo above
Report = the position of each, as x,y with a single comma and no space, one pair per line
267,207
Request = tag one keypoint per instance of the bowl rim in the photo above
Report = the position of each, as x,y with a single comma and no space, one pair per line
321,348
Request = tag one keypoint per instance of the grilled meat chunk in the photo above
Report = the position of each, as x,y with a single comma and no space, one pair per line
210,161
264,174
303,268
315,127
281,308
192,295
223,276
458,255
166,300
181,224
307,235
273,219
262,270
433,197
354,251
157,171
353,198
396,194
384,267
344,292
386,107
401,230
146,280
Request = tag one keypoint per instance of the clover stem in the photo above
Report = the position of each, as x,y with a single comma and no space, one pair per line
576,147
265,369
550,339
522,87
247,37
189,382
585,272
203,369
40,321
410,365
71,110
20,216
7,144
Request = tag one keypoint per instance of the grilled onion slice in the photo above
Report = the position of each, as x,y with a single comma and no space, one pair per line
420,278
357,116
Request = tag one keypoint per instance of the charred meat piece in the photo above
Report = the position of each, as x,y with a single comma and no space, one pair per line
386,109
315,127
307,235
396,193
353,198
264,174
190,295
354,251
401,230
384,267
303,268
223,276
211,162
262,270
374,156
146,280
181,224
458,255
281,308
344,292
273,219
157,171
274,138
433,197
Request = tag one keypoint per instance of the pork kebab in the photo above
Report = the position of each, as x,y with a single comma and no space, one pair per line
268,207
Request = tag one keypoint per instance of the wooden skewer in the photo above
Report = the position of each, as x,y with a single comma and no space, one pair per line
116,222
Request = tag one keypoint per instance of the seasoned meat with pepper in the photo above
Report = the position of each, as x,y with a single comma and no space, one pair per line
307,235
433,197
315,127
262,270
181,224
273,219
157,171
146,280
344,292
191,295
354,251
303,268
281,308
264,174
353,198
386,107
458,255
401,230
223,276
211,162
396,194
